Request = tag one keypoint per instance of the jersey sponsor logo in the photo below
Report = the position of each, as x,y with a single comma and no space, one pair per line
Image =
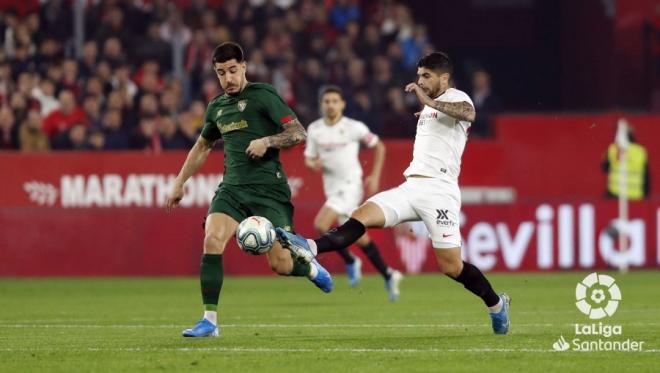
241,105
233,126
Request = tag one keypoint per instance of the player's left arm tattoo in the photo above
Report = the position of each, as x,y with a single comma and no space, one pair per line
459,110
294,133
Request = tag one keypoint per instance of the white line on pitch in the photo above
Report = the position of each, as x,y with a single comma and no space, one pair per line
306,350
296,326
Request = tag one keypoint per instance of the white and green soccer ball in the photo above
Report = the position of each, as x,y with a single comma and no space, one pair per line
255,235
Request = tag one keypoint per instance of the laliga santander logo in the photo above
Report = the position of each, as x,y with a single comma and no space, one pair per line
597,296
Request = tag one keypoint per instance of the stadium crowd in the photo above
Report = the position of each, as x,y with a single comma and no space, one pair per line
142,76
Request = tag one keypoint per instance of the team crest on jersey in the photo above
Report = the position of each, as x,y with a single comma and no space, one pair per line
241,105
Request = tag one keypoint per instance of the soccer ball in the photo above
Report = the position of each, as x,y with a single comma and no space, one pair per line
255,235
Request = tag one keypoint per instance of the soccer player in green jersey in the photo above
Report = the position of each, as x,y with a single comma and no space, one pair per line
254,123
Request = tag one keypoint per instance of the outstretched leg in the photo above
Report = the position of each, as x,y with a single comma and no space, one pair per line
366,216
369,215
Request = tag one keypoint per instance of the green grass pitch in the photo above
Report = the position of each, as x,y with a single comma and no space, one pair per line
285,324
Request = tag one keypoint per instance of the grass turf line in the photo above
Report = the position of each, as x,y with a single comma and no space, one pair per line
286,324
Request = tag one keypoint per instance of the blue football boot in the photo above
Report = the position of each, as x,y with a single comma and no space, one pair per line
203,328
500,319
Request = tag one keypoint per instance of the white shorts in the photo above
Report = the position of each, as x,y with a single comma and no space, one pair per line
343,199
436,202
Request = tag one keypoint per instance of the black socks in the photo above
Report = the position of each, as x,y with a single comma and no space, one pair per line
475,281
340,237
372,252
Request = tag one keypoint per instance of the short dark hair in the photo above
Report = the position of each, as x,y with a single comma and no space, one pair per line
228,51
437,61
329,88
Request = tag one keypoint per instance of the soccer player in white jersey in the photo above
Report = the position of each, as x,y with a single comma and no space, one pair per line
430,192
333,144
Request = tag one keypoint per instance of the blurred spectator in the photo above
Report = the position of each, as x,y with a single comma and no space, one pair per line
65,117
44,93
112,52
148,106
92,109
89,59
397,119
74,138
171,136
112,26
96,140
189,127
70,77
146,136
412,46
196,115
152,60
121,82
197,59
8,129
19,106
153,47
360,109
115,135
372,44
6,81
31,135
56,19
485,103
343,12
169,103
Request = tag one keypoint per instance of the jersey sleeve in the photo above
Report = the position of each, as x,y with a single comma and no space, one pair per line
274,107
458,96
311,150
362,134
210,130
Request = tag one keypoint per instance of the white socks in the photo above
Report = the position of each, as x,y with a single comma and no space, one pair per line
496,308
313,271
312,246
211,316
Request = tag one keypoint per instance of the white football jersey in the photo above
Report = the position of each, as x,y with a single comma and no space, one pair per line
338,146
439,141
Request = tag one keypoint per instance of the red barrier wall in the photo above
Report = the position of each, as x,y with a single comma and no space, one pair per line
101,213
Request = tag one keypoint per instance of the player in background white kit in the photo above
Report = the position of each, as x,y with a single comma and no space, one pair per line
333,145
430,192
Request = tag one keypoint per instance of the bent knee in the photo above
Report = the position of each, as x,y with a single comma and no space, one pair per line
281,267
321,228
214,243
451,268
370,215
